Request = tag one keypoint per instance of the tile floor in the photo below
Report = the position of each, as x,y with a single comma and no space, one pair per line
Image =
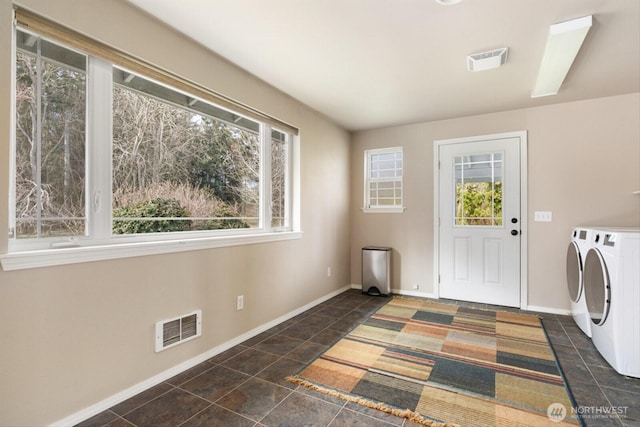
245,385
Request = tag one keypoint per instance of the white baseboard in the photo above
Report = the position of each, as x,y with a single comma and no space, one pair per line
110,401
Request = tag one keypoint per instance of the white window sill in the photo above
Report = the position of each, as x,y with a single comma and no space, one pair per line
384,210
62,256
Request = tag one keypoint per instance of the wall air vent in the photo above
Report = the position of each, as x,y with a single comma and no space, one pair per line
175,331
487,60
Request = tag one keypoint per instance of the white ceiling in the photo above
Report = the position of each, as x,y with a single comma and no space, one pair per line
375,63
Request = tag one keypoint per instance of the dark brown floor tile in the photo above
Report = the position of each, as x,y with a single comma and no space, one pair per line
355,317
302,331
568,320
625,401
334,312
282,326
602,421
318,320
342,326
307,352
383,416
216,416
552,324
227,354
565,351
580,340
327,337
322,396
280,370
586,392
99,420
297,410
254,399
257,339
141,398
169,410
190,374
627,422
355,419
278,344
592,357
119,422
559,338
606,376
250,361
215,383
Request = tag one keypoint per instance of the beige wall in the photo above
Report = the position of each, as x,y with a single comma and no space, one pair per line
74,335
583,165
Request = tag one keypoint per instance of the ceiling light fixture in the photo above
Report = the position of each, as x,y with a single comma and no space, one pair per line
447,2
563,44
487,60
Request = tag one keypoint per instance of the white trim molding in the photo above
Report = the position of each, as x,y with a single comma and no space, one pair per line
74,255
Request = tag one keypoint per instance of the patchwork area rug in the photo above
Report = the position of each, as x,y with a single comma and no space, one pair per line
440,364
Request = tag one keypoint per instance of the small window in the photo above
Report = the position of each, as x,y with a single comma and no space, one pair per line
383,180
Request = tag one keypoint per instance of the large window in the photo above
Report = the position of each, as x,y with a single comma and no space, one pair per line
105,155
383,180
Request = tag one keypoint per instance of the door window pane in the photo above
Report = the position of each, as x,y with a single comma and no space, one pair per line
478,198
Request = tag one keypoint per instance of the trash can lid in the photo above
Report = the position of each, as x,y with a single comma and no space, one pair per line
375,248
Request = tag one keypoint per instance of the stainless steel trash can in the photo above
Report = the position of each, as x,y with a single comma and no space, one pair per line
376,270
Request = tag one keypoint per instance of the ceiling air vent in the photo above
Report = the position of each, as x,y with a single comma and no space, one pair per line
487,60
175,331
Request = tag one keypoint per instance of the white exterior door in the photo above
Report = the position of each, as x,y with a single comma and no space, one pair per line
479,231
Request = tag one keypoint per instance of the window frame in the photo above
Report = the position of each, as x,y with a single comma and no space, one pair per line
99,242
367,207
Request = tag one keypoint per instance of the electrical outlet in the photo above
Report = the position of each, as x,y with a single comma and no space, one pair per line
328,271
240,302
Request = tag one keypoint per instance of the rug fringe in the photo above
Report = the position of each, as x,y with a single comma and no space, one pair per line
403,413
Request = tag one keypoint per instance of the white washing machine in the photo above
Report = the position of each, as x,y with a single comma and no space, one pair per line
612,292
581,241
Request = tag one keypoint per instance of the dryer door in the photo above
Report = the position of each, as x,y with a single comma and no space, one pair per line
597,287
574,271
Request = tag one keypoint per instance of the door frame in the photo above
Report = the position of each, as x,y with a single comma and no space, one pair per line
522,135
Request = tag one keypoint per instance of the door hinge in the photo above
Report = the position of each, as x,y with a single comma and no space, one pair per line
438,279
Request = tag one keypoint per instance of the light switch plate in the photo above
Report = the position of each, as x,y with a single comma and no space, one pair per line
542,216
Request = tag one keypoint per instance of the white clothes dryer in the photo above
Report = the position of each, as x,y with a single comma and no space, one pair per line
612,293
581,241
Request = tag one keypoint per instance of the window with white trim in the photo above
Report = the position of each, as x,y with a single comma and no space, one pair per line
104,155
383,180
